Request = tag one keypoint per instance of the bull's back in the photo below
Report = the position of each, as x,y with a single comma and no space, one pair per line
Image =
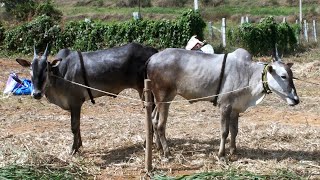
190,74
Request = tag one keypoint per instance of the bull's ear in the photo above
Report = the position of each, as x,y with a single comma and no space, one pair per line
23,62
56,62
270,69
290,64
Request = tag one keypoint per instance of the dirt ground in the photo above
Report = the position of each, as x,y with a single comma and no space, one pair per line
272,135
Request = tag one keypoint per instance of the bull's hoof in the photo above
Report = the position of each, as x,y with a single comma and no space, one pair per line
167,154
166,159
223,161
233,157
75,151
158,146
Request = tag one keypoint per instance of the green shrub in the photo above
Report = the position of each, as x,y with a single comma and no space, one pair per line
90,35
260,38
48,9
20,9
1,33
39,32
82,35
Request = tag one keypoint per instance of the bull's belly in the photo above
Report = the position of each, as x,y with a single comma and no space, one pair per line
196,95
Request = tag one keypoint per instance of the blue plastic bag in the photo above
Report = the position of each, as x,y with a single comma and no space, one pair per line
23,89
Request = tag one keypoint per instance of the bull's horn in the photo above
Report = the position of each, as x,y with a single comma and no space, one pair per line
276,54
34,51
46,51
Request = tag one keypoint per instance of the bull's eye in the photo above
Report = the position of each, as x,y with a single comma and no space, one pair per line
284,77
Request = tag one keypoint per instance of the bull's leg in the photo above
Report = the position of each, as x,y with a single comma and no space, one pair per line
75,128
163,109
233,132
155,120
224,129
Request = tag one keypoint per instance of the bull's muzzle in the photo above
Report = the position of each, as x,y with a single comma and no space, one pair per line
36,94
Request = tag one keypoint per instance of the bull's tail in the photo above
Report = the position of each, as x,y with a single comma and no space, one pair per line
146,77
146,69
152,96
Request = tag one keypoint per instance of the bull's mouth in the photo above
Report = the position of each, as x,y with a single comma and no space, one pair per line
37,95
293,101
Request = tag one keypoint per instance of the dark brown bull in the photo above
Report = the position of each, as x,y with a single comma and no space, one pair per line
111,70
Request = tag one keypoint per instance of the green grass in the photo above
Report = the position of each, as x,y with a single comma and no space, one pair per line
261,11
211,12
234,175
78,10
31,172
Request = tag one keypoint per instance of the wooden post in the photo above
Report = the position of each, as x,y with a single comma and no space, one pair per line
314,30
148,125
223,32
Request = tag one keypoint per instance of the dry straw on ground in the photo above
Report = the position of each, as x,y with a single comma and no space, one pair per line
271,136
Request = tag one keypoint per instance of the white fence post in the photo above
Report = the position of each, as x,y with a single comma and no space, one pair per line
223,32
247,19
314,30
242,20
196,6
210,29
284,19
305,25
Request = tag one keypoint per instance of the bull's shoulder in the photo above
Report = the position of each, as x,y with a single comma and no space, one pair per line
63,53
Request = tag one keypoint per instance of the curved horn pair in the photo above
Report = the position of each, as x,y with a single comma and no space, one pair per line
46,51
44,54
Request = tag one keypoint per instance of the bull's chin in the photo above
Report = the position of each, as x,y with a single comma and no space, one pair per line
38,97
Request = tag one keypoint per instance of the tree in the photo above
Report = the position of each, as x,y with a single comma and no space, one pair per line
20,9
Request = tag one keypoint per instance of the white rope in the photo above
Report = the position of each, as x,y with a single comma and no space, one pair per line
112,94
126,97
207,97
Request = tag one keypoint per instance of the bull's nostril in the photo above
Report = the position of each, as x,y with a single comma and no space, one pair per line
36,95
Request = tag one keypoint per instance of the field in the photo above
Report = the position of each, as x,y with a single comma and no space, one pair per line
273,137
275,141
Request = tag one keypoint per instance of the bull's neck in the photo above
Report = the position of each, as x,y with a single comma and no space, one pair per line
53,77
256,83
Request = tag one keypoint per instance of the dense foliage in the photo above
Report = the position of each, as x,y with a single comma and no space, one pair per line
38,32
47,8
90,35
20,9
1,33
260,38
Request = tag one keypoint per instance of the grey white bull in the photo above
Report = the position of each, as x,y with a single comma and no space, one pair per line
194,75
111,70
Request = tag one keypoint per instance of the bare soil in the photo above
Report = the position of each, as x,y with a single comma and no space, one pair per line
272,135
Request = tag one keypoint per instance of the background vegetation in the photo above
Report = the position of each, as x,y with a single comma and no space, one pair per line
46,27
